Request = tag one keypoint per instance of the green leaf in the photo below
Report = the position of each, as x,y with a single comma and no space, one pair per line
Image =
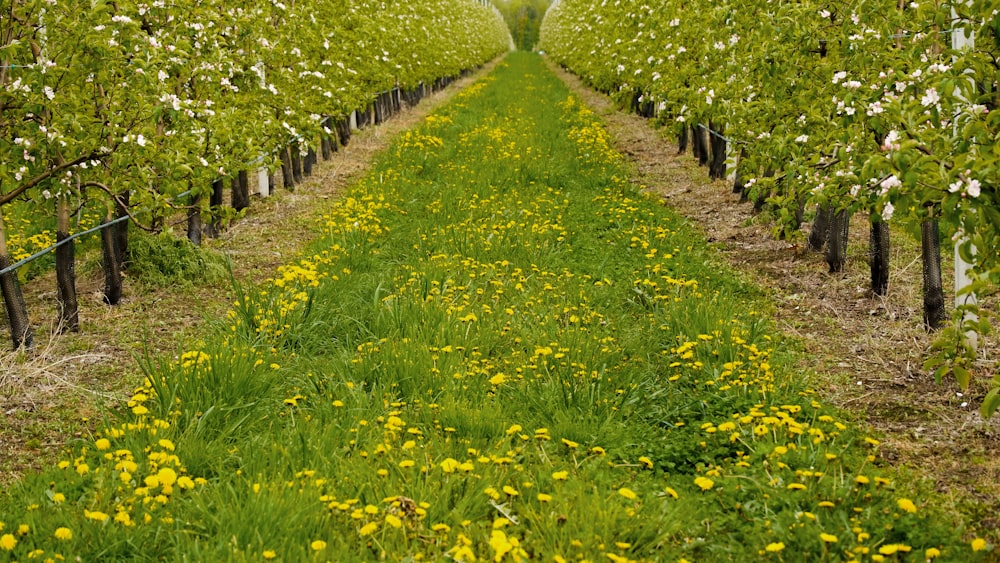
990,403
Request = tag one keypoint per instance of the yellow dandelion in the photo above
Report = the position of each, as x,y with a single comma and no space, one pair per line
978,544
893,548
368,529
774,547
63,533
828,538
627,493
932,553
542,497
560,475
906,505
318,545
704,483
7,542
269,554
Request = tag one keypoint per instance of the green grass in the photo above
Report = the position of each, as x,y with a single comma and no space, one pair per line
499,350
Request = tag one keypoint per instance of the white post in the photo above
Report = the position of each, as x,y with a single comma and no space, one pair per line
732,161
961,41
263,189
354,120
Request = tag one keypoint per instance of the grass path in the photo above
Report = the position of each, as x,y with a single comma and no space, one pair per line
498,350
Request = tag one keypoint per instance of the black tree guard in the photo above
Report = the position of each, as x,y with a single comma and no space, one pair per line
112,267
287,177
215,204
69,308
296,162
308,162
934,312
836,247
240,196
21,334
820,231
878,255
682,140
344,130
122,204
194,223
699,145
717,167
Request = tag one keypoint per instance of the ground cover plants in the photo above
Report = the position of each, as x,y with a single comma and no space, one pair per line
500,349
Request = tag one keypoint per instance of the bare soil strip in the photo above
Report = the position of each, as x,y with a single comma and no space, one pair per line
865,353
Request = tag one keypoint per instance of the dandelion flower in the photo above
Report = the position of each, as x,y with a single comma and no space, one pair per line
774,547
542,497
704,483
978,544
7,542
907,505
269,554
318,545
63,533
560,475
627,493
828,538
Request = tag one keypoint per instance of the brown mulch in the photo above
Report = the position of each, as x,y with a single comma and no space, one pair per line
862,352
47,397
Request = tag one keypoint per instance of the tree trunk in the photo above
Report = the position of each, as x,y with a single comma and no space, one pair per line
682,140
820,231
878,254
69,309
241,191
21,334
836,247
934,312
287,177
194,221
112,267
215,204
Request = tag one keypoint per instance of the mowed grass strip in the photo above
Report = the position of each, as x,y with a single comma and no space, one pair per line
500,350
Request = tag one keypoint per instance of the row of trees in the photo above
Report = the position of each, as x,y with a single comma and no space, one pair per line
879,108
524,18
136,103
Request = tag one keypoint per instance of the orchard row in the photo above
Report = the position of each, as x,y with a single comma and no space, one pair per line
882,109
137,103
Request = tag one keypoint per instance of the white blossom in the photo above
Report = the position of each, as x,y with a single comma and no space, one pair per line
887,211
930,98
